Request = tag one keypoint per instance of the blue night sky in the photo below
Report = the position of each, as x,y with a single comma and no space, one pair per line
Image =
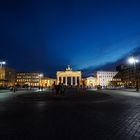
46,36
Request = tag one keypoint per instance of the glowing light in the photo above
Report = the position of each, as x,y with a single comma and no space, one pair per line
2,63
41,75
132,60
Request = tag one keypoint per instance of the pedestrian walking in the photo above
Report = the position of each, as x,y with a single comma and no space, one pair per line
62,90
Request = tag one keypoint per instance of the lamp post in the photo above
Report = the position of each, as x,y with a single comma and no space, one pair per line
2,63
134,61
40,76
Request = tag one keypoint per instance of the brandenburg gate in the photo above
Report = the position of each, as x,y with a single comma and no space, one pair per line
69,77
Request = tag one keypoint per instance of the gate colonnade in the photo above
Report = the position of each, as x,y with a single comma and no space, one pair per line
69,77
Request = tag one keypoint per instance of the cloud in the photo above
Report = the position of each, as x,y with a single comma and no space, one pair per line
112,66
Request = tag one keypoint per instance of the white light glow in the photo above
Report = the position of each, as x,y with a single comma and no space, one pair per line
131,60
2,62
41,75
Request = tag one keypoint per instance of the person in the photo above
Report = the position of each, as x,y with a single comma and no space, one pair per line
41,88
57,88
62,89
14,89
53,88
11,88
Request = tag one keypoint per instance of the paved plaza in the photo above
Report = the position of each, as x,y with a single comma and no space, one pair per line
114,117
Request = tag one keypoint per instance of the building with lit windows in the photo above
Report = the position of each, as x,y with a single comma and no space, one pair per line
128,75
47,82
104,77
28,79
90,82
69,77
7,76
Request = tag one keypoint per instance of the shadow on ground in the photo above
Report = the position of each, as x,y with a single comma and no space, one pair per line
69,95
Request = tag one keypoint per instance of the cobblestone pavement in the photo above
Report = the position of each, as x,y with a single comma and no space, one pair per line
114,119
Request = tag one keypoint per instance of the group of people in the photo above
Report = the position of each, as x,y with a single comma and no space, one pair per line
14,89
60,88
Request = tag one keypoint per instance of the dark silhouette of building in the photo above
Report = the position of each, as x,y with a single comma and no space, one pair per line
128,74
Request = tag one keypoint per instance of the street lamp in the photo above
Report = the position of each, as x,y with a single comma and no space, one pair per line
134,61
40,76
2,63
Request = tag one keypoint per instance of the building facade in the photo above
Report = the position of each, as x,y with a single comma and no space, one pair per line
128,75
28,79
7,76
104,77
47,82
69,77
91,82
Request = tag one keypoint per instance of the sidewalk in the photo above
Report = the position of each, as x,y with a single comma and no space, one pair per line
4,91
126,92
